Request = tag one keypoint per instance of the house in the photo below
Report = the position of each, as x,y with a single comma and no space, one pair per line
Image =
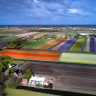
38,82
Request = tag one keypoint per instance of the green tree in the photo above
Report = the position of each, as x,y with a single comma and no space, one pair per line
27,74
4,63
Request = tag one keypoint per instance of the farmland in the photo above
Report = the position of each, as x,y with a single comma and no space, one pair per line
78,45
65,54
49,46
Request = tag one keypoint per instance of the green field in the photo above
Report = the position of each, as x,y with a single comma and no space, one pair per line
78,45
83,58
19,92
9,38
34,44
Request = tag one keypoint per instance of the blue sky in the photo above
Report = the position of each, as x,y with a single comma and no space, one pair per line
37,12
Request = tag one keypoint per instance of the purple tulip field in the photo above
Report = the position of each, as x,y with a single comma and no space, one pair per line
77,44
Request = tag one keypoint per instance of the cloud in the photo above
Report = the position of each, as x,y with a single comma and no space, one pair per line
74,11
44,10
35,1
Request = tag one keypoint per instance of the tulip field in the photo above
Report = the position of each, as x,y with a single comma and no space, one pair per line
42,41
80,44
54,47
53,56
81,58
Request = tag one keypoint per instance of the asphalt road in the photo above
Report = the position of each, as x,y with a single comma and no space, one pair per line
67,77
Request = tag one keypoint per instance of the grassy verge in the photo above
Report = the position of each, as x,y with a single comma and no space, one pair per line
19,62
19,92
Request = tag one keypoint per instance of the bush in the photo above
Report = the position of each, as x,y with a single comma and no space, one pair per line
4,63
2,85
27,74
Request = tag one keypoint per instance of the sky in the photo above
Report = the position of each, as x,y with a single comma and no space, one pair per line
47,12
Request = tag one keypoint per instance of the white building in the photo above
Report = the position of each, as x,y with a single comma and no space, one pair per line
36,81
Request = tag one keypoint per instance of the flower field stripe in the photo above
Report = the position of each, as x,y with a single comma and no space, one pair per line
87,47
36,51
19,55
67,45
83,58
78,45
40,35
59,45
26,34
84,45
49,41
56,45
92,45
36,33
29,50
49,45
35,44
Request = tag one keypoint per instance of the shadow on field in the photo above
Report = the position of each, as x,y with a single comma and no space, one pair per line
54,92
